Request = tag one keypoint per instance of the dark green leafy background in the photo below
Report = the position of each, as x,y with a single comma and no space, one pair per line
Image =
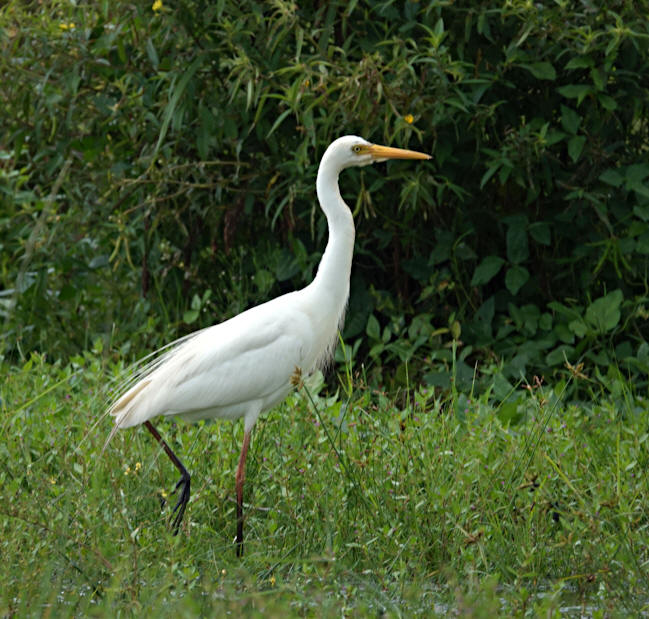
157,175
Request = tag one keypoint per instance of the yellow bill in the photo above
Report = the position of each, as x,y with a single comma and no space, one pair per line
387,152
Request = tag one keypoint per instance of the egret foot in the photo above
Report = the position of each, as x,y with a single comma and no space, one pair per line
239,531
183,498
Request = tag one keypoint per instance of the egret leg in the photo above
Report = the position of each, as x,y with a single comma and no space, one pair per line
183,484
240,478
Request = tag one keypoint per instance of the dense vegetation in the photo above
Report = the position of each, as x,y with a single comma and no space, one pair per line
157,170
157,174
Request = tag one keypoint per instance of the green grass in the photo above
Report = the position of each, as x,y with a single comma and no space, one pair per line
358,506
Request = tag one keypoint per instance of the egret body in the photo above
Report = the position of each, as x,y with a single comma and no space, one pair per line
243,367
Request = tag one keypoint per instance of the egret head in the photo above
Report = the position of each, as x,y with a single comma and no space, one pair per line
350,150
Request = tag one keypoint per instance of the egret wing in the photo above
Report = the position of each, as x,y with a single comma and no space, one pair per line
223,369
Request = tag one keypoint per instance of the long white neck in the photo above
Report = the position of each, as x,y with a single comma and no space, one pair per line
332,279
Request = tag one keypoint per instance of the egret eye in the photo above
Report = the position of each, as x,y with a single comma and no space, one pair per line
357,149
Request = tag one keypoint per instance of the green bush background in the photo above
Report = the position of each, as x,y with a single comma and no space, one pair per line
157,175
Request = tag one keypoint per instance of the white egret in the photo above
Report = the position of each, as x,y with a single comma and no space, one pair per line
243,367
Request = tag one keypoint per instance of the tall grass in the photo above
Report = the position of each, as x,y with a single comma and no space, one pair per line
354,504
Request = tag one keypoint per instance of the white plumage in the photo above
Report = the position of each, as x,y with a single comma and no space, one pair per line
243,366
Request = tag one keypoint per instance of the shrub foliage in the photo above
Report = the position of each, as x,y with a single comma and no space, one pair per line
157,169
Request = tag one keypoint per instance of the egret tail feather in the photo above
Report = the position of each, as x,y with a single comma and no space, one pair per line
113,432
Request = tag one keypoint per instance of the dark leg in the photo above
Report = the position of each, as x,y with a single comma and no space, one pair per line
240,478
183,484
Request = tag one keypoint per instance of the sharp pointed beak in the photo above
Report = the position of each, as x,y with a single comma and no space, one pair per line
381,153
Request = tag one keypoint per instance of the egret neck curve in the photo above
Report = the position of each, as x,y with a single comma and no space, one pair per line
332,279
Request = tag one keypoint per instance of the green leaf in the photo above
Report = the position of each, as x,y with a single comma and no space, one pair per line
575,146
190,316
559,355
516,278
530,315
604,313
545,322
598,77
489,173
640,189
99,261
607,102
202,144
278,122
517,248
373,328
509,414
484,317
554,136
152,53
540,232
575,91
642,212
579,62
611,177
439,28
636,173
563,310
442,250
541,70
562,332
570,120
578,327
503,389
439,378
486,270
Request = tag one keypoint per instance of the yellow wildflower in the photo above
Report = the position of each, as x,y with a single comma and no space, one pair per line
156,6
409,118
69,26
